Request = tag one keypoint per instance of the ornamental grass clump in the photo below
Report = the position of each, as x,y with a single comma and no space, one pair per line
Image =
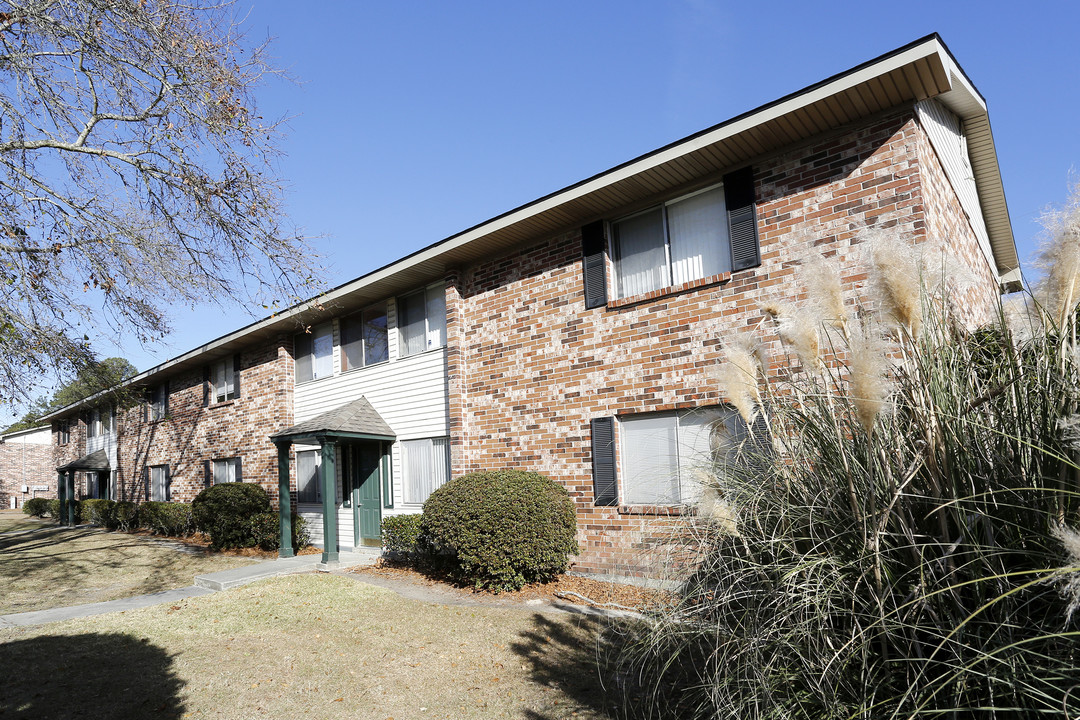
908,544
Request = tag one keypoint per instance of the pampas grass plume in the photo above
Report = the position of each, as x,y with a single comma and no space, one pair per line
894,272
869,383
1059,258
738,375
823,286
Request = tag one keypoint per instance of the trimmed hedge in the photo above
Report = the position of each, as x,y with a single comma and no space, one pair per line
36,507
224,512
167,518
501,529
266,531
96,512
124,516
401,534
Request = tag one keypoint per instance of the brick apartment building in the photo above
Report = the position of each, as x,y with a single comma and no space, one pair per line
27,469
573,335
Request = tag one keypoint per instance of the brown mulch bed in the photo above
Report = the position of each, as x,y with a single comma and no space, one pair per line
565,589
201,540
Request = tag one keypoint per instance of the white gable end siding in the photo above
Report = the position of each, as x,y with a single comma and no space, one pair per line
947,136
409,393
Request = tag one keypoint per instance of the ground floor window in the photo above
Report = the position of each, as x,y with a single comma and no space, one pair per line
308,487
101,485
425,467
227,470
159,483
665,457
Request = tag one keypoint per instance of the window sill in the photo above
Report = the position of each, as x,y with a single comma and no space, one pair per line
422,352
664,510
363,367
222,404
670,290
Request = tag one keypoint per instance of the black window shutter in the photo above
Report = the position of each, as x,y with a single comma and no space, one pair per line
236,375
605,482
206,386
593,265
208,473
146,481
165,390
302,357
742,219
168,484
147,400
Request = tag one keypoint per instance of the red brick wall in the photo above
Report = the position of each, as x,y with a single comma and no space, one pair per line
529,366
192,434
25,464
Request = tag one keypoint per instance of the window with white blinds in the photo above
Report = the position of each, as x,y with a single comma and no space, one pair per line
425,466
307,477
667,456
677,242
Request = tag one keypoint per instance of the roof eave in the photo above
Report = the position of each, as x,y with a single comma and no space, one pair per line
920,70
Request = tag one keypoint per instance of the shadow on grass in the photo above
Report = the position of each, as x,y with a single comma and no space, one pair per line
92,675
73,565
562,654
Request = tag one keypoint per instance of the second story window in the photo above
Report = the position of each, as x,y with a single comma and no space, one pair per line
225,380
421,320
100,423
63,432
675,243
314,353
159,401
363,338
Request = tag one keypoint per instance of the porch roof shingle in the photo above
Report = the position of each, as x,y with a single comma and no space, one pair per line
97,460
356,419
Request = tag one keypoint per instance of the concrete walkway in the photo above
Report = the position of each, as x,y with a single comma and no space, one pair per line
225,579
204,585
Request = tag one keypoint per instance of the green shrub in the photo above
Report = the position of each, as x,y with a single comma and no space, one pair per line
52,509
124,516
36,507
266,531
167,518
96,512
501,529
400,534
224,512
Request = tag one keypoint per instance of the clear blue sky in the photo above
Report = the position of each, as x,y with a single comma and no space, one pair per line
415,120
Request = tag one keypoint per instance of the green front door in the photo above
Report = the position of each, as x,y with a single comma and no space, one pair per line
367,502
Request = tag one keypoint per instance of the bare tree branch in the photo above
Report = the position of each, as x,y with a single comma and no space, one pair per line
136,174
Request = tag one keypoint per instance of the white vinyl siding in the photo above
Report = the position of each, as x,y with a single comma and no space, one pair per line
675,243
425,467
666,456
228,470
946,133
409,394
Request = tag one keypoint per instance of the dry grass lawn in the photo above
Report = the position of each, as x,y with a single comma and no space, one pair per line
14,520
314,645
55,567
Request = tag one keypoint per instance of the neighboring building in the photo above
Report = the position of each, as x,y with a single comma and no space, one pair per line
27,467
573,335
